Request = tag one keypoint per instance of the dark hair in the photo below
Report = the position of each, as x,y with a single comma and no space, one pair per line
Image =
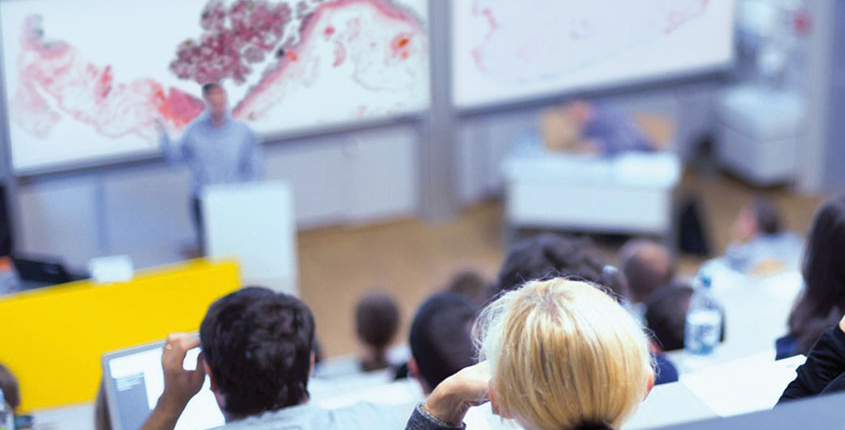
766,216
209,87
9,385
471,285
666,315
441,337
647,267
258,345
822,302
550,256
376,319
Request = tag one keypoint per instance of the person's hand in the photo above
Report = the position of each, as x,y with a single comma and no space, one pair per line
160,128
180,385
842,324
451,400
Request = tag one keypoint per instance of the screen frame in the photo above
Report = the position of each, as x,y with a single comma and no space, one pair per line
715,71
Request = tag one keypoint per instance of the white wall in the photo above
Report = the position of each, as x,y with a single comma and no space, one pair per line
144,211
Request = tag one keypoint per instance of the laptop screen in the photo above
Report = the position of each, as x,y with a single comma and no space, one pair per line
134,381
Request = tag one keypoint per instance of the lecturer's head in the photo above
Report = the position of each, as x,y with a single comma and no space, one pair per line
564,355
257,346
215,98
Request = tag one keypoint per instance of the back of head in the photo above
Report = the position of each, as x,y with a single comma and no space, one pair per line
472,285
666,315
441,339
258,344
822,302
564,354
766,216
9,385
647,266
549,256
376,319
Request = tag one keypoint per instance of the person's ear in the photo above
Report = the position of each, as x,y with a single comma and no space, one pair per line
498,408
211,376
649,384
221,403
414,372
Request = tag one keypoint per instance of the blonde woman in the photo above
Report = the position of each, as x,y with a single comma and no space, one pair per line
559,355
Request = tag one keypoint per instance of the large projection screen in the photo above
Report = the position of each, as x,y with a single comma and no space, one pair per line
86,80
508,51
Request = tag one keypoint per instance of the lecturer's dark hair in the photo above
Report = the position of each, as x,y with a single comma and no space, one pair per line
258,344
209,87
822,302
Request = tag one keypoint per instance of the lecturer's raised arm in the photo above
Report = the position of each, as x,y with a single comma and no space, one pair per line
172,151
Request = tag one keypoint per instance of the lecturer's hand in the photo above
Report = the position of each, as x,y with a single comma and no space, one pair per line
180,385
451,400
160,128
842,324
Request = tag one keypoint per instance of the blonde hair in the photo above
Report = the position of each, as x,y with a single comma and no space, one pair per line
563,354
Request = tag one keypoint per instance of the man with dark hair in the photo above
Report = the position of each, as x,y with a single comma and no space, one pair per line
440,338
257,350
376,323
550,255
647,266
216,148
666,316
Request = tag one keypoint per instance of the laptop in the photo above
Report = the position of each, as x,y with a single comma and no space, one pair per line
41,272
134,381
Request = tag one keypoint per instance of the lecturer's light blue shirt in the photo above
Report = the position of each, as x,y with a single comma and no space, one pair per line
224,154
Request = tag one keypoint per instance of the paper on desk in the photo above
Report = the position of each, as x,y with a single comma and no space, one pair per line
744,385
483,418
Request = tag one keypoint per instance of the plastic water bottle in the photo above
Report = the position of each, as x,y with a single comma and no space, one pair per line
704,319
7,417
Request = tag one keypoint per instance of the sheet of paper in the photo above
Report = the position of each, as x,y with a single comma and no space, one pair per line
744,385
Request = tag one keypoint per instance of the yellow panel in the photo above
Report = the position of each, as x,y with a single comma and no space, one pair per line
53,338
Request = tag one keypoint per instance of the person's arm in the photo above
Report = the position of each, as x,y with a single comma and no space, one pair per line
825,362
172,151
252,161
180,385
446,407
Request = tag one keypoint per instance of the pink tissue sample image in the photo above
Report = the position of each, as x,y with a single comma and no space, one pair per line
271,49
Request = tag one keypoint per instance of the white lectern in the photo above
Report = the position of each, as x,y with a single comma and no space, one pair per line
253,223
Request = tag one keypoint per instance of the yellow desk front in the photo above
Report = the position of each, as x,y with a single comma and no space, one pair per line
52,339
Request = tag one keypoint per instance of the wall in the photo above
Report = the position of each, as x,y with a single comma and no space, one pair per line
143,211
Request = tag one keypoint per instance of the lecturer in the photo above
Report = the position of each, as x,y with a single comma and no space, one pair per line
216,148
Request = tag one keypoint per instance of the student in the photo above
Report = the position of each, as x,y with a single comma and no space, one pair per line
824,370
257,351
822,302
472,285
441,338
376,323
666,316
760,246
647,267
560,355
550,255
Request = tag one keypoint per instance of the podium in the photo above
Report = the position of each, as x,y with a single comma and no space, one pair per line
254,224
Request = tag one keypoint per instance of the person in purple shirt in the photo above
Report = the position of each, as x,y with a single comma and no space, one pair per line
593,128
216,148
